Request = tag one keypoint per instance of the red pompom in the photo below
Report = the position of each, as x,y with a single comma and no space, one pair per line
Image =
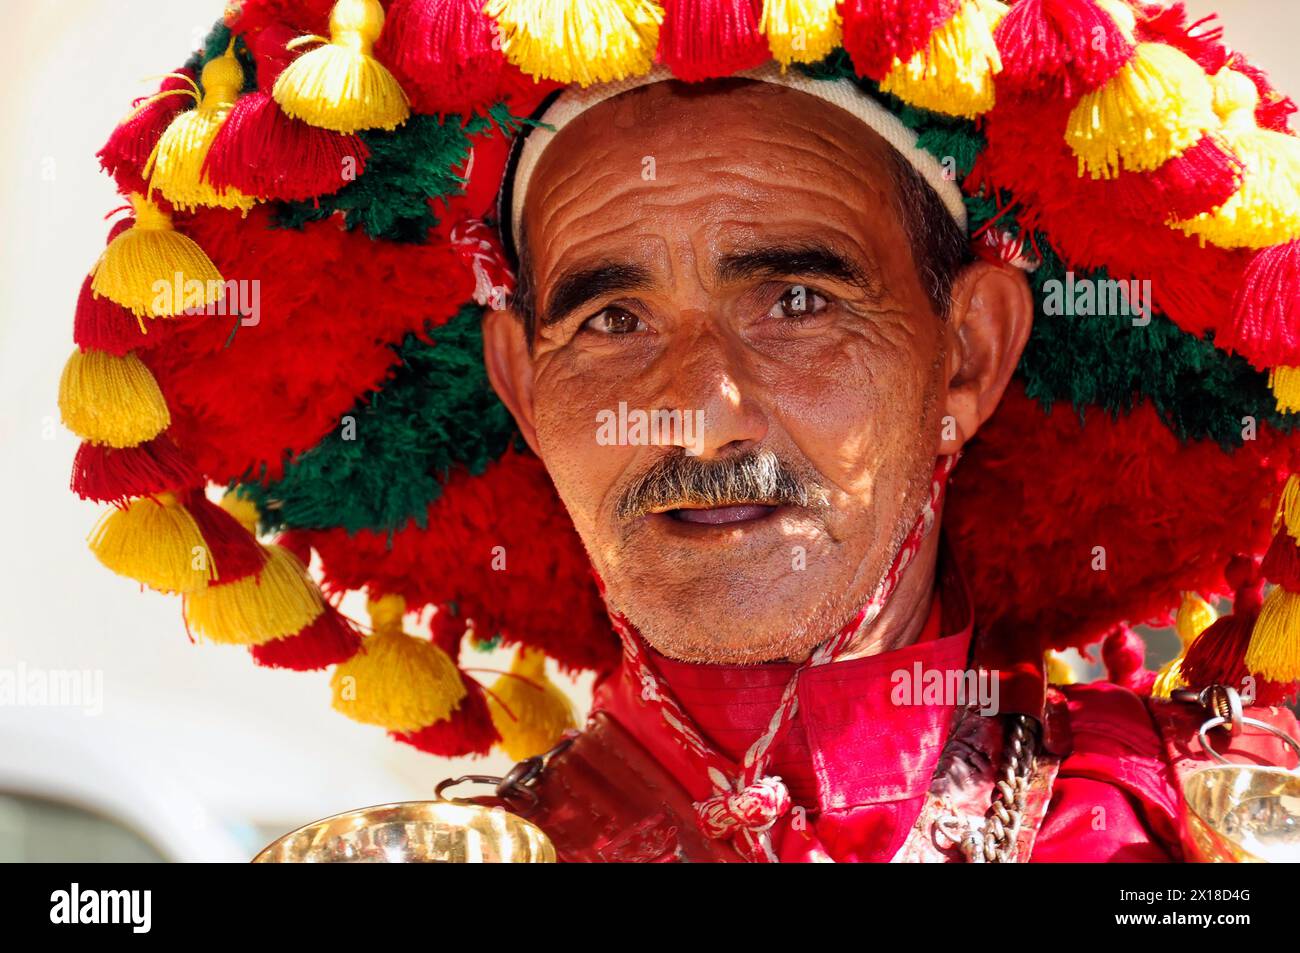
329,640
445,53
1265,306
1062,47
1201,179
1281,563
701,39
234,551
469,730
115,475
877,32
261,151
133,140
1124,654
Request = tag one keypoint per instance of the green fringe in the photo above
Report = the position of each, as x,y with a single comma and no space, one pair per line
437,412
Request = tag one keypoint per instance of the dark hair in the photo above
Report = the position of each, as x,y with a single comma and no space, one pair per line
939,246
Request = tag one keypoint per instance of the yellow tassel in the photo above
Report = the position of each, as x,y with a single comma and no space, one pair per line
954,73
279,601
176,166
397,681
340,85
154,541
111,400
1156,107
1266,209
1285,384
801,31
1274,652
1059,671
1195,615
538,712
578,41
152,269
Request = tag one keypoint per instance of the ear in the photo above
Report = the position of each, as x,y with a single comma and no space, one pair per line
510,368
989,322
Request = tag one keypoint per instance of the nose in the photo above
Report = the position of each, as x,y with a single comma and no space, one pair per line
709,379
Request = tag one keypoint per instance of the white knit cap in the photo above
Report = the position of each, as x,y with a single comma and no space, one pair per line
573,102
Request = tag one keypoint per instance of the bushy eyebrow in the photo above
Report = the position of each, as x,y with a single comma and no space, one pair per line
807,259
576,288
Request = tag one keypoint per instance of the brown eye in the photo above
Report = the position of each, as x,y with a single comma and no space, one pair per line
614,321
798,301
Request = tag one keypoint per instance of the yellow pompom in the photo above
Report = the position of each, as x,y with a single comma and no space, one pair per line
1274,652
152,269
397,681
340,85
1195,615
1266,209
154,541
578,41
1285,384
111,400
954,72
176,166
529,711
1154,109
801,31
1059,671
278,601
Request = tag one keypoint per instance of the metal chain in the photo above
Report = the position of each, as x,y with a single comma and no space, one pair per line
996,842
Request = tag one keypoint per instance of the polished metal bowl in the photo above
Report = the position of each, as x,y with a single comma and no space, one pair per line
1243,814
410,832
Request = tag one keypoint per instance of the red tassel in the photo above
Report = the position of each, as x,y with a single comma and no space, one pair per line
469,730
1201,179
263,152
1064,47
1282,561
1263,310
1275,109
234,551
1218,656
442,52
1124,654
133,140
331,639
104,325
876,32
701,39
109,475
1202,40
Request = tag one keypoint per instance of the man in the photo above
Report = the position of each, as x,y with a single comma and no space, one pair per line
759,312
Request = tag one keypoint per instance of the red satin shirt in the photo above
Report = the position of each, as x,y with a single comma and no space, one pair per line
858,764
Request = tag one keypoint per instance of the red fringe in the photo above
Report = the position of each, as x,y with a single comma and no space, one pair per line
469,730
1201,179
701,39
1275,108
442,52
115,475
329,640
1202,40
234,551
1281,563
1064,48
878,31
132,141
1265,306
263,152
104,325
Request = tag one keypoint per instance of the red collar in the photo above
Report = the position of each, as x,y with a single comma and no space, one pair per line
851,743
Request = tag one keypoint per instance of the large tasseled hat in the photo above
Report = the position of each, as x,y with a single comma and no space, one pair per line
291,314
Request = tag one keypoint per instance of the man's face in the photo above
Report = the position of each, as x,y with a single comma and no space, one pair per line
735,254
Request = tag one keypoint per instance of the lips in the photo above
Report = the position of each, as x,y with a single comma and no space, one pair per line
722,515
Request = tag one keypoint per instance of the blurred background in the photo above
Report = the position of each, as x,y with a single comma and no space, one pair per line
175,751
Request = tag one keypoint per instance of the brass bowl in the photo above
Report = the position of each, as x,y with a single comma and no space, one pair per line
1243,814
413,832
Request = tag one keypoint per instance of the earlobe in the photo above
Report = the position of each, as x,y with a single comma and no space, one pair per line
989,324
510,369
